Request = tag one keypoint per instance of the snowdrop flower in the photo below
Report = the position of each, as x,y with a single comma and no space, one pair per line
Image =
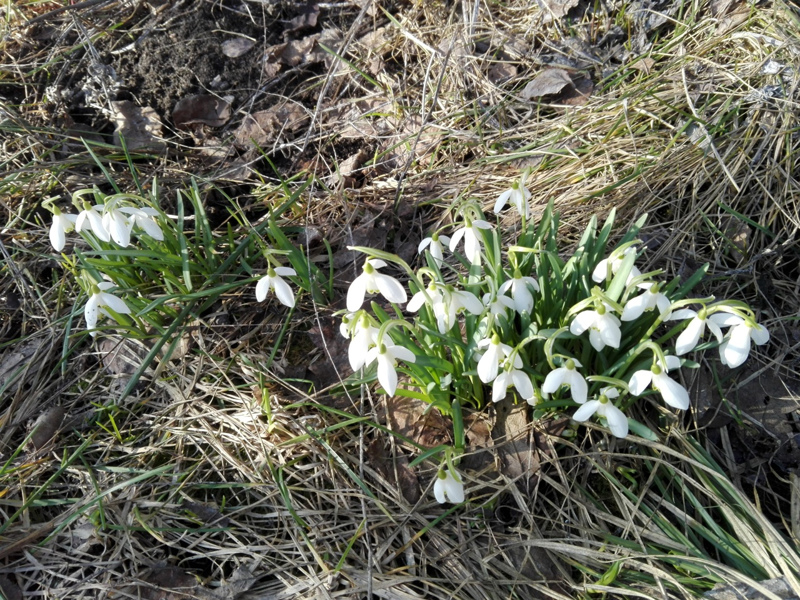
650,299
512,375
448,487
569,376
603,326
673,392
348,322
435,246
523,299
603,407
446,302
365,336
462,301
62,225
272,281
97,303
489,364
90,215
736,347
498,304
387,357
436,299
517,196
145,219
372,282
471,235
689,337
117,224
601,270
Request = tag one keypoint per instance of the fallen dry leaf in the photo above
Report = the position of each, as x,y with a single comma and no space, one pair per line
307,19
167,583
644,64
549,82
201,109
575,94
396,472
46,426
325,335
558,8
236,47
501,71
271,124
348,167
9,590
518,452
407,417
208,513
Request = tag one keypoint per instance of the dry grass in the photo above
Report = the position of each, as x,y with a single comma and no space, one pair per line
221,460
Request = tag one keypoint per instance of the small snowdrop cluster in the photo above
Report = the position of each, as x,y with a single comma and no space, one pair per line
115,219
560,334
112,220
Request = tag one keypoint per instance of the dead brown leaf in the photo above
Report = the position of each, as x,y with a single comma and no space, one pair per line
271,124
325,335
201,109
550,81
644,63
396,472
9,590
515,444
140,126
236,47
408,417
167,583
307,19
46,426
502,71
576,94
720,8
558,8
348,167
208,513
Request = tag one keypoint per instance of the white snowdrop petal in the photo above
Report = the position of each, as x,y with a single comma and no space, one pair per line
438,490
390,288
500,387
58,237
387,376
759,334
683,313
456,239
283,292
116,304
523,384
673,392
356,293
634,308
639,381
454,490
617,421
585,411
90,311
262,287
403,353
689,337
554,380
285,271
582,322
578,387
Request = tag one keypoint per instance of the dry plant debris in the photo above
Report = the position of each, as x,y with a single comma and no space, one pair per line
435,92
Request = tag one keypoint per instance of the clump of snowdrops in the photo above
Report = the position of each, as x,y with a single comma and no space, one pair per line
140,267
590,335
